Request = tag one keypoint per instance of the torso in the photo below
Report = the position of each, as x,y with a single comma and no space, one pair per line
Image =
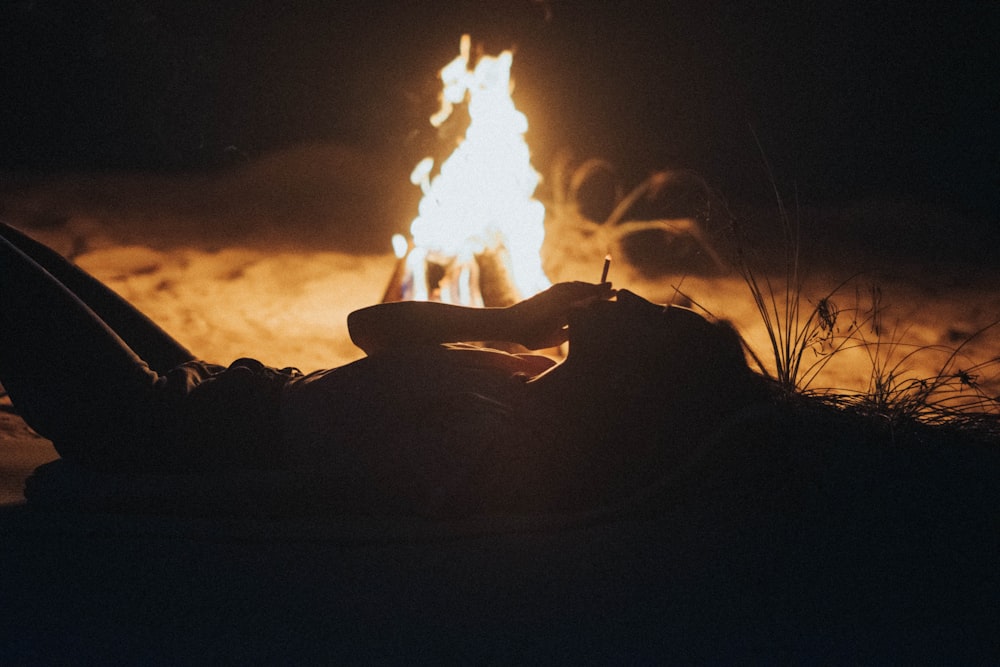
425,429
452,431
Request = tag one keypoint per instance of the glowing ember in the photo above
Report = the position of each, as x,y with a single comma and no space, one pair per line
480,202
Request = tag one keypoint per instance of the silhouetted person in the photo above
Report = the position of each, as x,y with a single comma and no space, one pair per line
422,424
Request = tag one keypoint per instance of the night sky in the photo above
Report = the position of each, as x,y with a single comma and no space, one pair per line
849,100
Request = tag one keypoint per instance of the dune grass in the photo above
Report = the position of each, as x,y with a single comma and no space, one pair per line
953,396
791,330
895,394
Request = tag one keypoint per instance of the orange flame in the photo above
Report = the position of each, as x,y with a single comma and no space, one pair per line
482,196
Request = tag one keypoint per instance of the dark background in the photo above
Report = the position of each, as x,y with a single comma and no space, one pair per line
848,100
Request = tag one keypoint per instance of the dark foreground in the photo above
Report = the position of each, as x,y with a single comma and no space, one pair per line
795,541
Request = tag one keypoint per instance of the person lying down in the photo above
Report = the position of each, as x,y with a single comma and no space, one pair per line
426,423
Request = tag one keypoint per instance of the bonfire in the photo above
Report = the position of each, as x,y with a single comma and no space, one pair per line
479,230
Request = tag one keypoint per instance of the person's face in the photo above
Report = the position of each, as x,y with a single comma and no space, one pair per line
621,321
633,328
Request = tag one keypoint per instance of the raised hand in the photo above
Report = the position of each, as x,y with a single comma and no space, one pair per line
540,321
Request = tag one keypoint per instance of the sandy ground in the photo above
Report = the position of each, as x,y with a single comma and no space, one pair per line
281,294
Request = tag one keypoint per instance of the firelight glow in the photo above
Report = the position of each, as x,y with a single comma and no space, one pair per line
481,199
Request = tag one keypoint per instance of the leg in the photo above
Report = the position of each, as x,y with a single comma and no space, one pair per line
71,377
155,346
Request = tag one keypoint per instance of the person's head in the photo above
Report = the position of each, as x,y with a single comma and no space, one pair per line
632,328
655,379
669,353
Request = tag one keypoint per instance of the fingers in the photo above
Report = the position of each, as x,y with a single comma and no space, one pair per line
591,292
583,292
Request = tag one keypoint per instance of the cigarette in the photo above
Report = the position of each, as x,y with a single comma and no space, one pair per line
607,265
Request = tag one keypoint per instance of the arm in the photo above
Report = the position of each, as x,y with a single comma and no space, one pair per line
536,323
